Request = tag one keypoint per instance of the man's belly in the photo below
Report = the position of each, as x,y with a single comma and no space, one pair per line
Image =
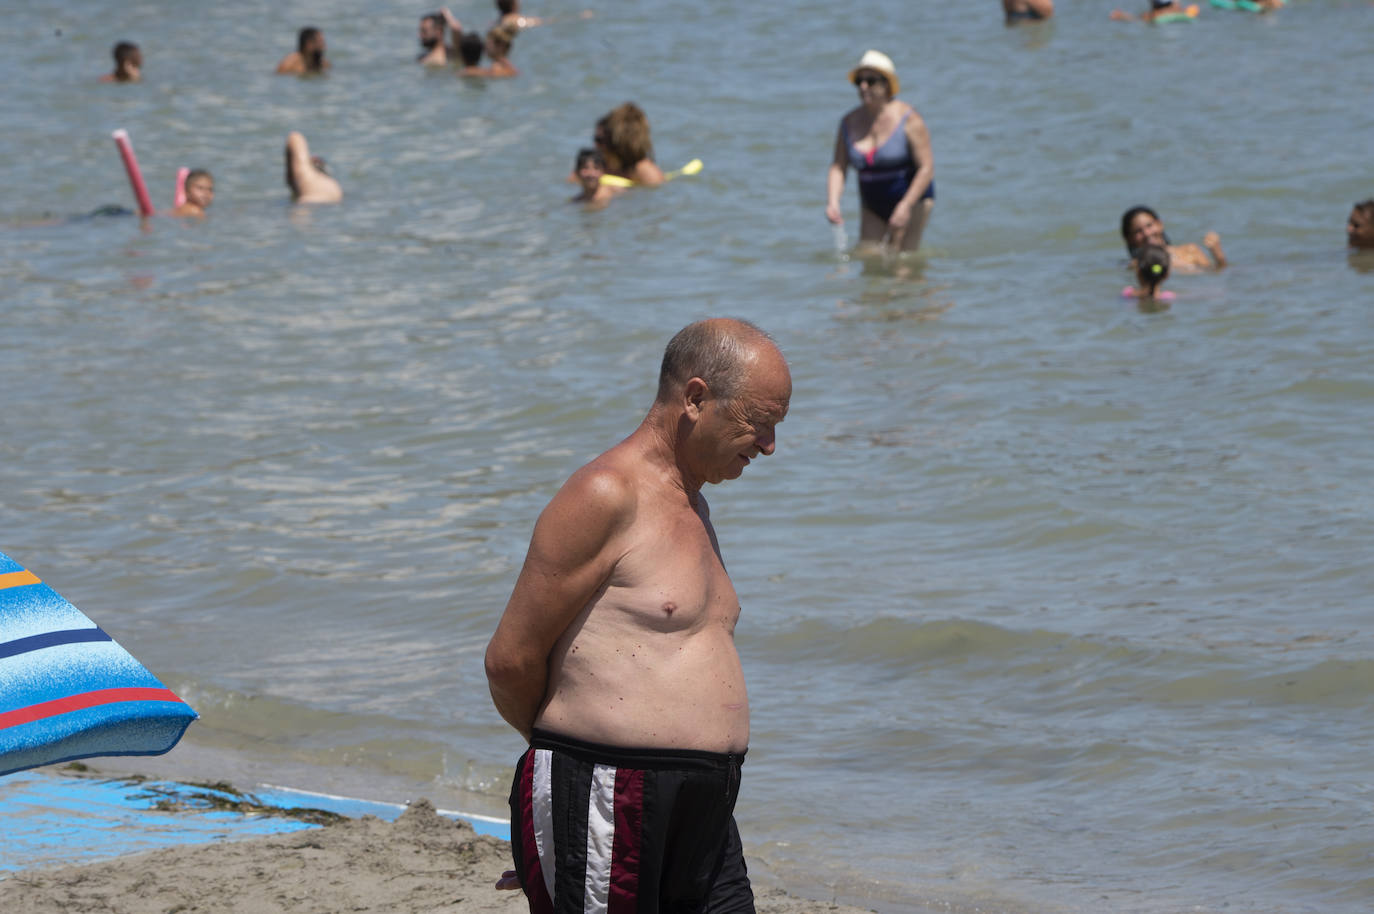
639,700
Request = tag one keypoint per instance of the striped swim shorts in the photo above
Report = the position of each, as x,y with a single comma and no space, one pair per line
607,830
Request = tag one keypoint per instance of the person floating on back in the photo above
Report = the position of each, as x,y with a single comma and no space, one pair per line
308,58
128,64
200,193
306,175
1151,269
1141,225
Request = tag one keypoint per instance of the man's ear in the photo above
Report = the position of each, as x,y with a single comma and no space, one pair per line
695,393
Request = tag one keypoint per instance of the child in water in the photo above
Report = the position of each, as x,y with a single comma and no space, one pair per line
200,193
1151,269
589,168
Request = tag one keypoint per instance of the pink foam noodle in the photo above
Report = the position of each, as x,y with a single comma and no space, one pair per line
179,197
126,152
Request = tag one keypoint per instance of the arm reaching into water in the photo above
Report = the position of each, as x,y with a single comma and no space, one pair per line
834,178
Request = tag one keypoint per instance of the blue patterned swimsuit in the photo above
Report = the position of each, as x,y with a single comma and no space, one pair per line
885,172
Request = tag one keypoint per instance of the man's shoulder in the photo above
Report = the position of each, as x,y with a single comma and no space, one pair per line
608,485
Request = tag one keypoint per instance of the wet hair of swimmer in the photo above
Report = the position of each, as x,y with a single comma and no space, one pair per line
1160,4
1151,265
124,52
436,22
1129,216
505,7
470,48
314,57
586,155
305,36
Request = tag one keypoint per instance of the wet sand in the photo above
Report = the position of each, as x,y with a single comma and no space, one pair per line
422,862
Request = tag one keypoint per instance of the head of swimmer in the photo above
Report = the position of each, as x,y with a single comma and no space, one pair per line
1141,225
589,167
1151,266
872,85
622,137
506,7
200,188
470,48
310,44
1359,228
431,30
128,61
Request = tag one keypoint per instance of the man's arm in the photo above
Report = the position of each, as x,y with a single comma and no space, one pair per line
572,552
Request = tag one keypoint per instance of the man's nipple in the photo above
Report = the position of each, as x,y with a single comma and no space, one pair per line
669,608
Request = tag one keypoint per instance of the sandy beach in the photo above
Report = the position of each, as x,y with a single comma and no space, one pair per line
422,862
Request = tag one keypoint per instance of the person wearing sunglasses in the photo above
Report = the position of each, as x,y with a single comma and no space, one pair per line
888,145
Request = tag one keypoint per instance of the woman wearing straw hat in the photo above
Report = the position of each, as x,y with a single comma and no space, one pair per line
888,144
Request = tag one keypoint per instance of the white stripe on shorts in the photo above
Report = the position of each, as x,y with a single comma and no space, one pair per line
542,791
600,839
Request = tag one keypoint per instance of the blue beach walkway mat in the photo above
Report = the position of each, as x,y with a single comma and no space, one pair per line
67,690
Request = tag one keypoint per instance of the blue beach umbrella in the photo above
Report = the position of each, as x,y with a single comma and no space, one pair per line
67,690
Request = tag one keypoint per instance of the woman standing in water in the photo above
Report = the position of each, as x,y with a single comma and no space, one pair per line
887,143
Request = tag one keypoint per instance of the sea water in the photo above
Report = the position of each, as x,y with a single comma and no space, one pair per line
1050,603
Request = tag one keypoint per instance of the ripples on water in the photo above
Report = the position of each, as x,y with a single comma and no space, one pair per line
1050,604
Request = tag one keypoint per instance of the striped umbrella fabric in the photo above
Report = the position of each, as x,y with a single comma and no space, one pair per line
67,690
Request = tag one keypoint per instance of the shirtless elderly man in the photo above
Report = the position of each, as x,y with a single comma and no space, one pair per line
615,656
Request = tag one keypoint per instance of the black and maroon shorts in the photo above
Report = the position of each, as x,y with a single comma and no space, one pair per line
607,830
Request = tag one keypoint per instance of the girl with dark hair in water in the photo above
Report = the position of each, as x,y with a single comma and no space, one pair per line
1151,269
1141,225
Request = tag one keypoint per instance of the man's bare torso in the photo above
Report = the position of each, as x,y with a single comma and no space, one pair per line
650,661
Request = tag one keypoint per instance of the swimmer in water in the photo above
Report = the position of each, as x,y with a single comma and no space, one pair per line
622,137
128,60
589,167
308,58
435,54
470,50
1024,10
1359,228
200,193
499,41
1151,269
306,175
1141,225
1158,10
512,18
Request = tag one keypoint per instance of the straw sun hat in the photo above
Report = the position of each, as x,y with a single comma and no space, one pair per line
877,60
